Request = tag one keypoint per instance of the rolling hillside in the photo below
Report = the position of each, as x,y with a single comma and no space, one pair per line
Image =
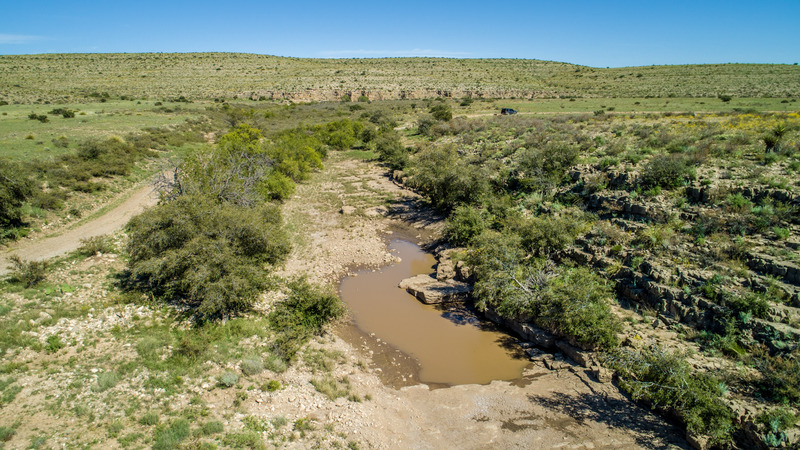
83,77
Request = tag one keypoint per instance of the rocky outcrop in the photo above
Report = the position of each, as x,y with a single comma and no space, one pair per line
429,290
446,269
770,265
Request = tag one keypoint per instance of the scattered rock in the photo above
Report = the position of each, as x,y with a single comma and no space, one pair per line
584,359
376,211
697,442
348,210
463,272
445,270
601,374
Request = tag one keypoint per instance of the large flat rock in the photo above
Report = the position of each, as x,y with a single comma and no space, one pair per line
429,290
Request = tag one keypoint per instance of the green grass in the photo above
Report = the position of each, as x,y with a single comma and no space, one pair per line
118,117
163,76
627,105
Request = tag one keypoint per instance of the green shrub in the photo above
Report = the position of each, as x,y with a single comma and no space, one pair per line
331,387
446,180
228,379
570,302
167,437
340,135
61,142
275,364
781,233
106,381
247,439
738,203
150,418
6,434
279,421
212,427
52,201
780,378
749,303
15,188
301,315
656,237
441,112
204,255
95,245
63,112
576,304
775,422
464,224
666,380
391,150
252,366
543,235
29,273
425,125
542,169
54,343
666,171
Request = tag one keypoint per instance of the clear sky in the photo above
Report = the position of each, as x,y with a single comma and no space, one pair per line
595,33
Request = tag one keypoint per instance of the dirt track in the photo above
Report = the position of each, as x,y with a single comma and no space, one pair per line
70,239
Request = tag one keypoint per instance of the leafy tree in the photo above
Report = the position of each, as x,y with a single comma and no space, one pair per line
446,179
464,224
441,112
15,188
666,380
391,150
542,169
665,171
205,255
570,302
234,172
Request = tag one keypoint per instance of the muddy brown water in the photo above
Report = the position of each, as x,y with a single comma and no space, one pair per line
451,344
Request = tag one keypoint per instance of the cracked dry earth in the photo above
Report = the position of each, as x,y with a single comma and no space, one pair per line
342,217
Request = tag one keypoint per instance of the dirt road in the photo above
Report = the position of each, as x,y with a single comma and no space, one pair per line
70,239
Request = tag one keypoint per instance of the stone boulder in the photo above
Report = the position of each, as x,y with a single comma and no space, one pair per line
446,269
429,290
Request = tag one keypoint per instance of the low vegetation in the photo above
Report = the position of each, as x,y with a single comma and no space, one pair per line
608,229
207,76
570,221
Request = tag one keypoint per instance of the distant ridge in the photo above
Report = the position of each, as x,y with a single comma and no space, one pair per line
82,77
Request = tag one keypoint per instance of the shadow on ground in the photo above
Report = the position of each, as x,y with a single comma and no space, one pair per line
414,211
648,430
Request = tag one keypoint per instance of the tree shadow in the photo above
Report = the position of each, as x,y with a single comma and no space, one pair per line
466,314
414,210
462,314
648,430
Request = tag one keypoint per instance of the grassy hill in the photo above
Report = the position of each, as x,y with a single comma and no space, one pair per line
82,77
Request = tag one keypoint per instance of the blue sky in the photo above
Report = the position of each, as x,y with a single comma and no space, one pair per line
595,33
